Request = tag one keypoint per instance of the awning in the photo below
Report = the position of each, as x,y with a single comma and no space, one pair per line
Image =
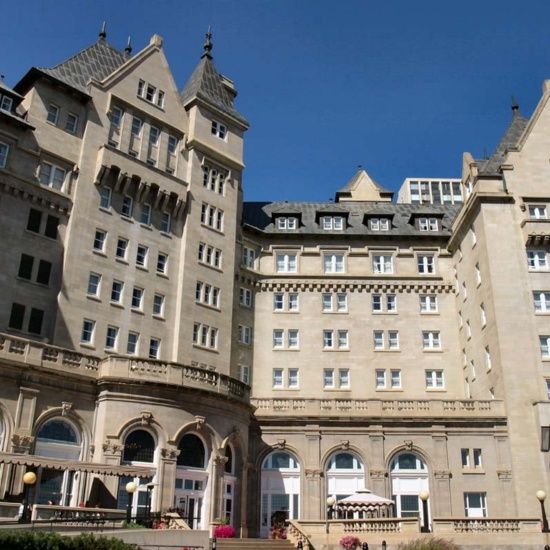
363,499
75,465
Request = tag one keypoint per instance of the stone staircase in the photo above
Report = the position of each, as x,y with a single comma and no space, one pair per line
253,544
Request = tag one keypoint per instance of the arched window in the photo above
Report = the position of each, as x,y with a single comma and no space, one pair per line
58,430
409,477
139,446
408,461
344,461
193,454
280,461
229,464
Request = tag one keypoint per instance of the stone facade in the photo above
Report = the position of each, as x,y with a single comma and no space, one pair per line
255,358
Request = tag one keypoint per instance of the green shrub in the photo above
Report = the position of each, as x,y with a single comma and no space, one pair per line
30,540
429,543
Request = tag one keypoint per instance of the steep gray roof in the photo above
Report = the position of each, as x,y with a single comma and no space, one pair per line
509,140
259,216
206,84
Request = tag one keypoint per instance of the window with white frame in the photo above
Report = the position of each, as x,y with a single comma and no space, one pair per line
335,339
245,335
121,248
71,124
287,222
428,303
475,505
288,339
94,284
117,289
395,378
137,298
434,379
212,216
384,303
150,93
245,297
154,136
214,179
249,258
537,212
379,224
431,340
137,125
328,378
100,237
4,151
278,380
6,103
154,348
205,336
541,301
88,329
335,302
111,337
426,263
172,145
344,378
218,130
162,263
537,259
210,255
293,378
388,340
333,263
544,346
127,206
105,197
166,222
141,255
382,264
132,343
207,294
286,262
145,217
285,301
427,224
53,114
117,115
380,377
52,176
384,382
335,223
158,305
243,373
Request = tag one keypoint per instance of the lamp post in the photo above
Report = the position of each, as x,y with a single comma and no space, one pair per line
424,496
28,479
541,495
330,504
131,488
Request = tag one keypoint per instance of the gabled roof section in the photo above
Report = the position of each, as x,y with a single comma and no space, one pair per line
509,140
207,86
361,187
96,62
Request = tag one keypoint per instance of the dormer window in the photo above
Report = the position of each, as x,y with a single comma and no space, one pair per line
287,222
379,224
6,103
219,130
150,93
335,223
428,224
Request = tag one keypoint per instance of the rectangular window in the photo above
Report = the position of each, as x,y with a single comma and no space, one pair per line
426,264
395,378
133,342
378,339
137,297
243,373
379,224
335,223
488,363
33,221
127,206
376,302
116,116
381,303
293,339
172,145
328,378
245,335
278,301
87,336
293,301
145,217
141,88
150,93
94,282
158,305
105,197
278,338
465,457
4,150
121,248
160,99
35,321
428,303
218,130
475,505
286,263
343,340
99,240
25,267
544,346
166,222
162,263
277,378
343,378
16,316
382,264
72,123
380,378
154,136
51,175
537,212
53,114
287,222
334,263
541,301
116,291
431,340
427,224
154,348
245,297
328,339
141,255
111,337
393,339
44,271
136,127
537,259
249,258
477,459
434,379
5,103
293,378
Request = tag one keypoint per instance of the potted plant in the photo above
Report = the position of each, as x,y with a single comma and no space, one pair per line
350,542
224,531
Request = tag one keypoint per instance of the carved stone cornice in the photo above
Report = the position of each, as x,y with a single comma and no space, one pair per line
376,285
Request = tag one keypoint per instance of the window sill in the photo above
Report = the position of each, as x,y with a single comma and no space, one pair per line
122,261
430,313
387,350
286,349
211,266
158,317
86,345
165,234
473,471
142,268
99,253
330,389
117,305
207,306
93,297
106,210
127,219
429,350
137,311
204,348
216,230
336,350
279,311
163,275
385,313
335,312
432,390
389,389
146,226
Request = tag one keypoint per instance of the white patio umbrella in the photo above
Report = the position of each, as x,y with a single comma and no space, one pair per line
365,501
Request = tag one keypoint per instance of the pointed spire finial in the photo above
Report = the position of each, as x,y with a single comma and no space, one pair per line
359,168
103,32
208,44
515,105
128,48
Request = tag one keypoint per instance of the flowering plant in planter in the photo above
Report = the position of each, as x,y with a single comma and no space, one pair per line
224,531
277,532
350,542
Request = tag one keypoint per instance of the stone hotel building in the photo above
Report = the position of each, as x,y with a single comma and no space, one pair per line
240,358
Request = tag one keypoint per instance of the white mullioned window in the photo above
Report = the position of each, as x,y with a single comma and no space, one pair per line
94,283
378,339
132,344
278,378
382,264
395,378
286,263
334,263
538,211
328,378
380,375
245,335
154,348
71,125
431,340
53,114
541,301
245,297
428,303
384,303
427,224
218,129
287,222
249,258
335,223
544,346
293,378
127,206
426,263
379,224
52,176
537,259
243,373
100,238
158,305
434,379
88,329
111,337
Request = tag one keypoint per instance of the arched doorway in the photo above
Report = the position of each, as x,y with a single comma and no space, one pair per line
409,477
345,475
139,450
280,490
57,438
191,480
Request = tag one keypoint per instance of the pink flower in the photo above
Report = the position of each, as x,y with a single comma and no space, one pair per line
224,532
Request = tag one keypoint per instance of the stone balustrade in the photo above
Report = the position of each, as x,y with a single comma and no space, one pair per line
379,407
485,525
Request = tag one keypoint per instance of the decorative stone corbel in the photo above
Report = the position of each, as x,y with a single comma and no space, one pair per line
408,444
146,418
200,422
66,408
344,445
281,444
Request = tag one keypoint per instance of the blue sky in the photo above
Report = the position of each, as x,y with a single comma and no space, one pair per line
402,88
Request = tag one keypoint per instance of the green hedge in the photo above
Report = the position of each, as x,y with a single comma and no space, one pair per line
31,540
428,543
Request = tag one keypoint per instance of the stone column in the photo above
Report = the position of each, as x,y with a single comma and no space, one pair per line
441,494
166,473
112,454
378,481
216,502
243,494
313,500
